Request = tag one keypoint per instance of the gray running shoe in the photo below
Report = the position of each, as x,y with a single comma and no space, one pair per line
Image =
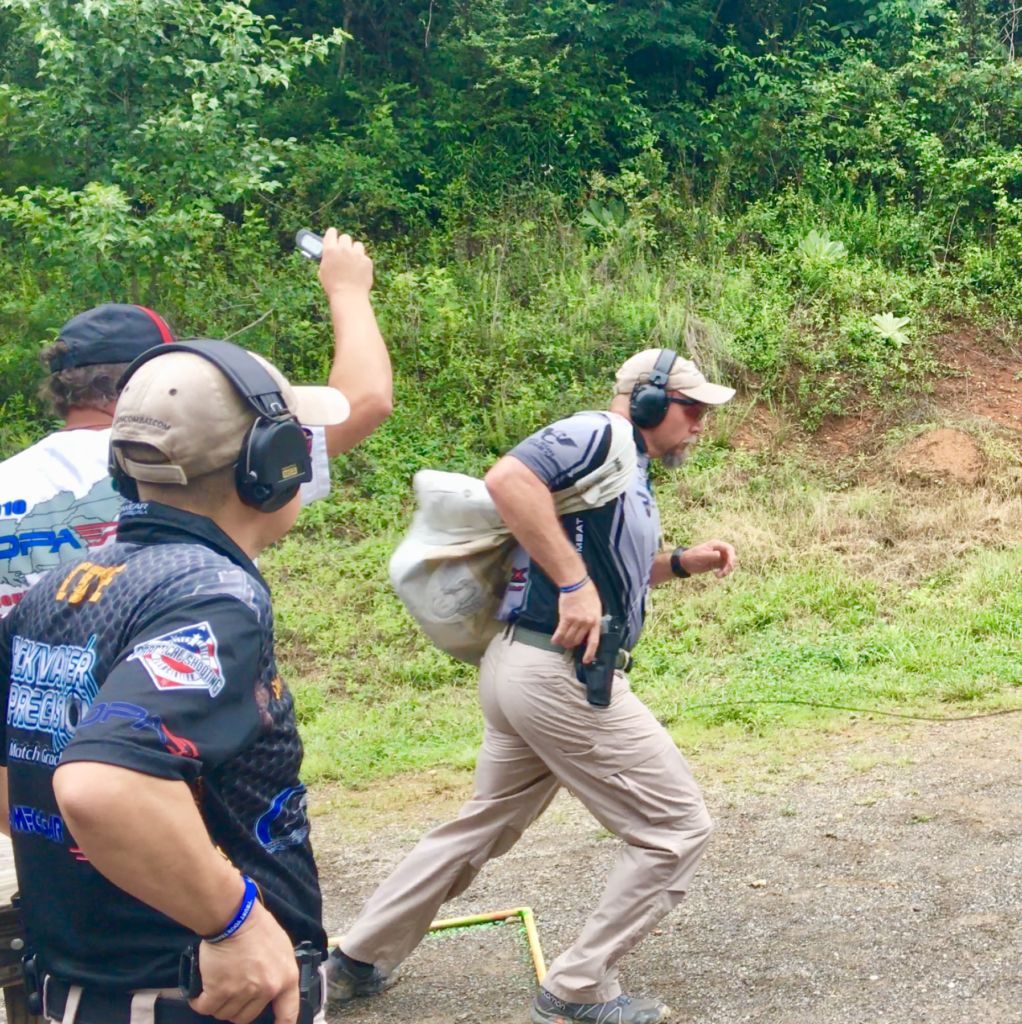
548,1009
347,979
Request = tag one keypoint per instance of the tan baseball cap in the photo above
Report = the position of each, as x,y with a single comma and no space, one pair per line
685,377
186,408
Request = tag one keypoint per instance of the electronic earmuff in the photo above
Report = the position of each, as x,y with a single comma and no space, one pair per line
274,459
649,404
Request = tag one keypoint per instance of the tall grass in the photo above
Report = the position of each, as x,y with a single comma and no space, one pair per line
523,319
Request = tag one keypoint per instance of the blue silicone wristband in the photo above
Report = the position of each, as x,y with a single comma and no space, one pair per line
576,586
248,901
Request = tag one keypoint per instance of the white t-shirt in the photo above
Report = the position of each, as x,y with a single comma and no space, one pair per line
57,501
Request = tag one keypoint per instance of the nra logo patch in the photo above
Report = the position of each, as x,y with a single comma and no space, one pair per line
185,659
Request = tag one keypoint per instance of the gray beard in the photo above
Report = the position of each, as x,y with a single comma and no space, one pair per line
676,457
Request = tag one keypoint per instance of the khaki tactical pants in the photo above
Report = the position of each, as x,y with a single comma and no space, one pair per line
541,733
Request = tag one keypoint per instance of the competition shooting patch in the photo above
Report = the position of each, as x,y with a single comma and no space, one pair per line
185,659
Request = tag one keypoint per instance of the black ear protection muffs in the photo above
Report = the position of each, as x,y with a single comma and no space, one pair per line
649,403
274,460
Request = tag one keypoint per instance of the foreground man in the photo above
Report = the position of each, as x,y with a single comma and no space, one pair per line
56,500
541,730
152,756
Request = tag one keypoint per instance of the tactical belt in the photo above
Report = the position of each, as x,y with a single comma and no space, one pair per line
542,642
108,1006
101,1006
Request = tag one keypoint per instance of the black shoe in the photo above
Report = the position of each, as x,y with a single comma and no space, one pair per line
348,979
548,1009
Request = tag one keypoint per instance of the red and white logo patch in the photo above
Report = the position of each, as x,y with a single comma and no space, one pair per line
96,534
183,660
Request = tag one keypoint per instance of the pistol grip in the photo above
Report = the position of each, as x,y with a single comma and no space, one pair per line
189,979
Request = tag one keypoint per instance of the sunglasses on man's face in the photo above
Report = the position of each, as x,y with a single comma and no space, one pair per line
694,409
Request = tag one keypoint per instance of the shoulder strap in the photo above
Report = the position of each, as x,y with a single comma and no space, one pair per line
608,481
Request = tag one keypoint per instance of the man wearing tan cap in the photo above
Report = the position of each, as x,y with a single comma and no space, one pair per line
151,751
553,721
56,501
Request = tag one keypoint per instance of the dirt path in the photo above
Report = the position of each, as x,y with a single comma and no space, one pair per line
893,882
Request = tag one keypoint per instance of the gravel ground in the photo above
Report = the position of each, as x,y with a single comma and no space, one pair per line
877,881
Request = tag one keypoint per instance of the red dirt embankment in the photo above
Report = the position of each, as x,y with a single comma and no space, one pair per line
980,384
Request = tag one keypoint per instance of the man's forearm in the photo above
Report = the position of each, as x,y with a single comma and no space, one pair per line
527,508
661,569
716,556
146,836
361,369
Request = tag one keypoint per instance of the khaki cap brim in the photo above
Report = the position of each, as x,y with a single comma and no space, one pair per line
708,394
320,406
685,378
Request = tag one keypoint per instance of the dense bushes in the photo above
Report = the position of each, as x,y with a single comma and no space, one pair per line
795,194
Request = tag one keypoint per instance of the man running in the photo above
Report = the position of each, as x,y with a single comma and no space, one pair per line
545,729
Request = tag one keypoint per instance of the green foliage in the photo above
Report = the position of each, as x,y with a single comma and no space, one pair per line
818,248
546,188
599,221
889,326
150,111
159,94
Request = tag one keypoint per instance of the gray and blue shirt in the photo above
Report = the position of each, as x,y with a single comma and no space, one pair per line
617,541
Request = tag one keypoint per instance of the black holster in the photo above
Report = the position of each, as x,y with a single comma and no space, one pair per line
598,675
17,977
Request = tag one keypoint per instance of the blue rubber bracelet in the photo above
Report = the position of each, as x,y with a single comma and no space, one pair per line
248,901
575,586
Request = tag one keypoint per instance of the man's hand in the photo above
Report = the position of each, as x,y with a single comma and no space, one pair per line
715,556
344,265
255,966
579,614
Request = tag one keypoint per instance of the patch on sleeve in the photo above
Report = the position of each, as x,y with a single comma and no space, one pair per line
185,659
560,436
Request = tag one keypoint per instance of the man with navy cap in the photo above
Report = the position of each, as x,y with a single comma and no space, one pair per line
56,498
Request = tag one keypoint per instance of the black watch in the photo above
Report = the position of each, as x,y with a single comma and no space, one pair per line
676,567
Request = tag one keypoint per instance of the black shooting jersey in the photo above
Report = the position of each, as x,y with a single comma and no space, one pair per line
155,654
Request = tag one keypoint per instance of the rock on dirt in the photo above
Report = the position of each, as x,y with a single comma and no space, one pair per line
942,454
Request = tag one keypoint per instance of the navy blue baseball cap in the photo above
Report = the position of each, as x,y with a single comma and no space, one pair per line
111,333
